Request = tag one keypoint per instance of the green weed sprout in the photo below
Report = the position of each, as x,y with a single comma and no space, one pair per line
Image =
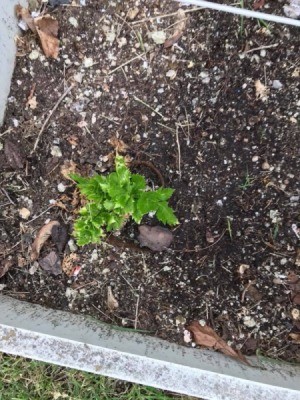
113,199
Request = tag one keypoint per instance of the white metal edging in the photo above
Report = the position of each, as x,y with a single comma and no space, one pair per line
242,11
83,343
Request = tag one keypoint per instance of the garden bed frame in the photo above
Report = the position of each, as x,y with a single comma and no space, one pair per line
83,343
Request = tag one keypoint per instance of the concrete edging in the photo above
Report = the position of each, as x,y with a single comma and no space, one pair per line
80,342
83,343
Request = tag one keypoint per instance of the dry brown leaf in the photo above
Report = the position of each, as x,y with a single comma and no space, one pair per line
24,14
112,303
258,4
118,144
179,28
261,91
47,29
31,101
5,267
295,337
51,264
206,336
43,235
68,167
13,154
68,263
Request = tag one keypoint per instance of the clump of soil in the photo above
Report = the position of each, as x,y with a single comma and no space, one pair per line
216,111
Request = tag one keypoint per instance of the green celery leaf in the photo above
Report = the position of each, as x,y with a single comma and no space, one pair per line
166,215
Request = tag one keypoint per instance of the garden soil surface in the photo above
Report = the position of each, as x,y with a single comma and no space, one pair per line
216,112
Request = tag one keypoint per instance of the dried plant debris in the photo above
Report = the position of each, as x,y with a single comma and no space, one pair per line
51,263
155,238
179,27
69,263
45,26
294,284
261,91
53,227
13,154
207,337
5,266
112,303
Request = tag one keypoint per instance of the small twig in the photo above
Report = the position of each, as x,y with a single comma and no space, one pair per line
250,283
127,62
136,311
149,165
261,48
167,127
164,16
49,116
179,151
38,216
7,131
8,197
151,108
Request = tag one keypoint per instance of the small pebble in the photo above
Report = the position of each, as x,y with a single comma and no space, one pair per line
56,151
255,158
277,85
24,213
88,62
34,55
265,166
61,187
73,21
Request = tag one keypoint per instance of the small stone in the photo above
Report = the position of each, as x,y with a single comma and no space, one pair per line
61,187
24,213
180,320
56,151
34,55
249,322
277,84
265,166
159,37
73,21
171,74
295,314
72,246
88,62
2,286
32,270
255,158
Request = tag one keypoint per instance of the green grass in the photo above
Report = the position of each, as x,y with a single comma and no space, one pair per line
23,379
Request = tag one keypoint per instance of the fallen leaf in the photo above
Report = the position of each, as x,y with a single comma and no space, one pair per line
59,236
261,91
68,264
253,293
47,29
206,336
180,24
5,266
13,154
51,263
295,337
118,144
112,303
31,101
155,238
24,14
258,4
43,235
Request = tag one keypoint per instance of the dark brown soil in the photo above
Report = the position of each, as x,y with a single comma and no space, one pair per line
236,178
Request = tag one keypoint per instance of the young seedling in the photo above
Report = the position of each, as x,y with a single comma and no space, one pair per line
111,200
248,182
